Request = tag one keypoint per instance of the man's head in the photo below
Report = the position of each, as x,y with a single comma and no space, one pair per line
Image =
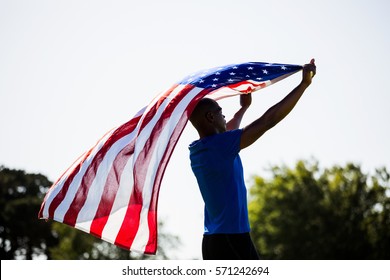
207,118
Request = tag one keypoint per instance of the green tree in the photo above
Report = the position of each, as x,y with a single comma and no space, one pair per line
20,235
308,213
24,236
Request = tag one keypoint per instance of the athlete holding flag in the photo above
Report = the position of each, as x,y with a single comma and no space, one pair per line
217,166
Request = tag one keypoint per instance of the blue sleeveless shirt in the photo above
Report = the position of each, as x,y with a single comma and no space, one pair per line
218,169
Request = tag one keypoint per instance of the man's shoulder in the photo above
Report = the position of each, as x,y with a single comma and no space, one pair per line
223,139
236,133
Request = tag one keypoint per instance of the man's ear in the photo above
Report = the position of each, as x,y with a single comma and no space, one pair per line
209,117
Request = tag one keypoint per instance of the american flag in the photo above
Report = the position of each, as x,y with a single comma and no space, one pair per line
112,190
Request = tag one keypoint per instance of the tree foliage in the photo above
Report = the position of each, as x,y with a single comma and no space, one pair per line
24,236
308,213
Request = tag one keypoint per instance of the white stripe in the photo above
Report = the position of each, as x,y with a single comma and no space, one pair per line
142,236
121,203
147,109
55,189
223,93
122,197
139,113
144,135
125,189
74,186
52,193
94,196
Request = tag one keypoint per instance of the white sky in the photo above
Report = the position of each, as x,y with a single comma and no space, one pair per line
72,70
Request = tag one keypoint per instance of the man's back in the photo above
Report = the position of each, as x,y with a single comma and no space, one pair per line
217,166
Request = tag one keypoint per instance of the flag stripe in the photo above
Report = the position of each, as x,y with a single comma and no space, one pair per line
152,215
151,131
168,122
110,191
132,216
70,184
119,208
95,186
105,192
82,192
60,189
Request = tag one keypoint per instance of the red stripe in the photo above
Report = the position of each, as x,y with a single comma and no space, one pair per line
172,144
130,224
151,246
78,202
145,155
63,176
125,238
148,116
140,169
62,193
110,190
251,86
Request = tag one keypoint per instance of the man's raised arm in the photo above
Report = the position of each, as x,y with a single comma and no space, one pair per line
276,113
245,102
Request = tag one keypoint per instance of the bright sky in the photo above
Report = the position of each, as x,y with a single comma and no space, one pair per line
72,70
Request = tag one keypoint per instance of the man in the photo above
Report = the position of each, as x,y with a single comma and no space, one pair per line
216,164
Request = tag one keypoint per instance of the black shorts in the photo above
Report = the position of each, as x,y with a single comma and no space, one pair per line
228,247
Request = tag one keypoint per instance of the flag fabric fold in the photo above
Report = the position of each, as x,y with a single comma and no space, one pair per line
112,190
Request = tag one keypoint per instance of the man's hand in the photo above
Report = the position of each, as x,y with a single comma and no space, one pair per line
309,71
245,100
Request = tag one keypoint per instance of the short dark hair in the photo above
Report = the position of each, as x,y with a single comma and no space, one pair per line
201,108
